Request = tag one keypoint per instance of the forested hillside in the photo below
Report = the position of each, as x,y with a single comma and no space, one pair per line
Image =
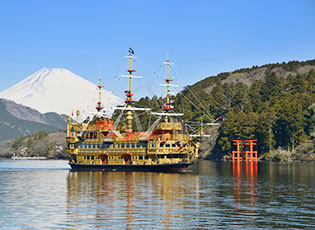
273,103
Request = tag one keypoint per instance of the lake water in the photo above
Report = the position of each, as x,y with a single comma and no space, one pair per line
47,195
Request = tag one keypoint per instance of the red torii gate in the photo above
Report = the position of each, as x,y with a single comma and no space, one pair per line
248,155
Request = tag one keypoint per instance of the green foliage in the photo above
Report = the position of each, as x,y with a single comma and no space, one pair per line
50,146
40,135
30,144
17,143
277,111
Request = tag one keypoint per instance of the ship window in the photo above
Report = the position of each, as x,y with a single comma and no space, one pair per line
118,145
113,146
133,146
90,146
93,146
88,157
143,145
161,145
98,146
72,134
81,146
122,145
92,157
127,146
85,146
140,157
167,145
146,157
173,145
105,146
152,145
138,145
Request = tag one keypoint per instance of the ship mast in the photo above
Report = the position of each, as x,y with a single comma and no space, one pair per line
168,105
99,106
129,97
129,100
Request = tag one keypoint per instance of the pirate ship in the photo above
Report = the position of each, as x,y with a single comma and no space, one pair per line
99,143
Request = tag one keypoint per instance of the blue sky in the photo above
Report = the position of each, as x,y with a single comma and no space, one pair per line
203,38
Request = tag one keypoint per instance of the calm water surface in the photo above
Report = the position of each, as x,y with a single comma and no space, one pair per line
47,195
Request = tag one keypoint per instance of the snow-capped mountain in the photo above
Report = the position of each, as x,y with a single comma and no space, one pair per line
61,91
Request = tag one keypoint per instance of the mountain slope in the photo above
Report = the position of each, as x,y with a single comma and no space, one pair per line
248,75
58,90
18,120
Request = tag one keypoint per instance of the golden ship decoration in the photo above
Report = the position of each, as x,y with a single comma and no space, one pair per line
99,143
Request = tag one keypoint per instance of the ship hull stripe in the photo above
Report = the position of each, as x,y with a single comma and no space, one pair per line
146,168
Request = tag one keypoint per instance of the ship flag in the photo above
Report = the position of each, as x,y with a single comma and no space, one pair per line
131,51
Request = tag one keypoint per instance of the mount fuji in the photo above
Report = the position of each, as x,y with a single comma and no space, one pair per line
61,91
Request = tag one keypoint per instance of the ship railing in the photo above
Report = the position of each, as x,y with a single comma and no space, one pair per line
172,137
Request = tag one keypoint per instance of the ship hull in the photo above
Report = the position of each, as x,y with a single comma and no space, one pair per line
178,167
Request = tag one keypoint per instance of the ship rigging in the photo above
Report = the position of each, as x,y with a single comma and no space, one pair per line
100,143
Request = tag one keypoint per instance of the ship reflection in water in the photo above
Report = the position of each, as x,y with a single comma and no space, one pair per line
211,195
130,199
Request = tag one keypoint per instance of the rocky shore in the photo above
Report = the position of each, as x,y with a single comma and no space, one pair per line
302,153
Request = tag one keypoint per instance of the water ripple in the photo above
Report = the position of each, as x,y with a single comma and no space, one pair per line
47,195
